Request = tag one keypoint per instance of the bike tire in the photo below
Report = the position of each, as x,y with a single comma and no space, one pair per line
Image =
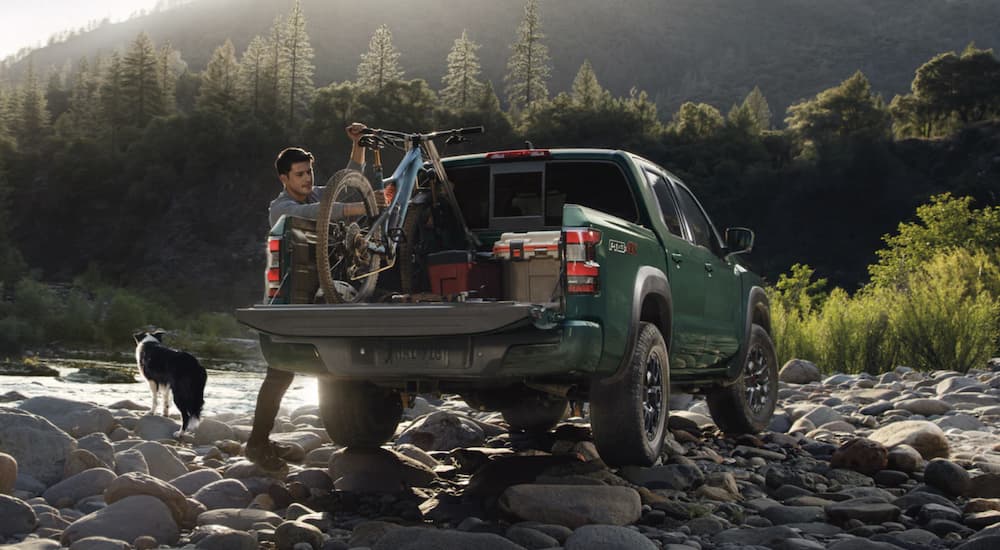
345,186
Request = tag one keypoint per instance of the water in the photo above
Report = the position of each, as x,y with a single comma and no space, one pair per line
226,392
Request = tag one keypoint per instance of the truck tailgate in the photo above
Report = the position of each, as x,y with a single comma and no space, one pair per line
352,320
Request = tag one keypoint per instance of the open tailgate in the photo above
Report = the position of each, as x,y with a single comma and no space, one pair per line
353,320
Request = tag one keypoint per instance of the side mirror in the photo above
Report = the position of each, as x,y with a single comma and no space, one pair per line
739,240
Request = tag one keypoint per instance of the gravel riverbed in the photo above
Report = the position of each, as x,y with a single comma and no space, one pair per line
904,460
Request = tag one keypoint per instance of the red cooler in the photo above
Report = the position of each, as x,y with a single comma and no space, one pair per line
455,271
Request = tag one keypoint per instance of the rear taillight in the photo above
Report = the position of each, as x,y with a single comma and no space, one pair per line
582,271
519,154
273,273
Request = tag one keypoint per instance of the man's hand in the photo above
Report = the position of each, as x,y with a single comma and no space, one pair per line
354,131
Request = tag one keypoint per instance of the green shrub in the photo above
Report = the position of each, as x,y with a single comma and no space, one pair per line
855,333
945,318
127,312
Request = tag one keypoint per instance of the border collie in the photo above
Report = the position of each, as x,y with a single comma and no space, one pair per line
168,370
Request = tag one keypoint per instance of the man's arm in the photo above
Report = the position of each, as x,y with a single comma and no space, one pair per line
286,206
357,161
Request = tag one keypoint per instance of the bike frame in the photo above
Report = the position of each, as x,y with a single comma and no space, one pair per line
405,179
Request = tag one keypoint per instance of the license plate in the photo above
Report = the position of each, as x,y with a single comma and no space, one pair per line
410,355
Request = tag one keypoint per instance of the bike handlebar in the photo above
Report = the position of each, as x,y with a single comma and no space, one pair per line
423,137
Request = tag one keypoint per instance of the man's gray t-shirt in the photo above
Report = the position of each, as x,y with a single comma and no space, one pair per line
285,205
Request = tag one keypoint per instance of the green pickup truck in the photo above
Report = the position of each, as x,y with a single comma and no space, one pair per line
598,278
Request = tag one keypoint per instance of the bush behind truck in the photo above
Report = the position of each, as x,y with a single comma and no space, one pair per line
599,278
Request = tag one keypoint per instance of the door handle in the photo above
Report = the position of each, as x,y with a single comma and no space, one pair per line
677,257
708,267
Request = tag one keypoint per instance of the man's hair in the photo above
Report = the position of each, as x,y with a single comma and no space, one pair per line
289,156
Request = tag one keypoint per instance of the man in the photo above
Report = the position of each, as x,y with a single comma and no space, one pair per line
301,199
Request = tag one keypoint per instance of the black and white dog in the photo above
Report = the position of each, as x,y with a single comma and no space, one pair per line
168,370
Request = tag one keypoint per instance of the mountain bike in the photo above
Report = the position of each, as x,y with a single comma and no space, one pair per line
350,254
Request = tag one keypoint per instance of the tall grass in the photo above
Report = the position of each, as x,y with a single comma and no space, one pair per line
945,316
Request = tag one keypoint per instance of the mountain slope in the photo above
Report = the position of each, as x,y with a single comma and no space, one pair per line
678,50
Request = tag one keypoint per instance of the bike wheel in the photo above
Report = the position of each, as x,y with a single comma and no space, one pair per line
342,256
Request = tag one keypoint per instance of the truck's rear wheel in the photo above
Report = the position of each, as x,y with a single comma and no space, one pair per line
629,416
358,414
342,257
746,406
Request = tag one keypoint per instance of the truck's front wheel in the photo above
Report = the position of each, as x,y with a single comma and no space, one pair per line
629,415
358,414
746,406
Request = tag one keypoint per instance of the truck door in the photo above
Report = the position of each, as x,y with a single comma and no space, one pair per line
721,283
685,276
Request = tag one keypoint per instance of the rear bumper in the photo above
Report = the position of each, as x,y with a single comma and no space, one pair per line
393,343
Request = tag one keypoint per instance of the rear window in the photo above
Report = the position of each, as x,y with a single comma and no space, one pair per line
533,194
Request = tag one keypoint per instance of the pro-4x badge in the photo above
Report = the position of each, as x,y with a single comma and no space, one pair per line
622,247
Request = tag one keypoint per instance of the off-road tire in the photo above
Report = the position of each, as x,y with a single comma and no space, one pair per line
344,186
746,405
629,415
358,414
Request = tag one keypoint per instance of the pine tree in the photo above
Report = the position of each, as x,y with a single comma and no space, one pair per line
167,62
461,83
848,111
141,86
81,117
218,91
756,105
528,66
300,66
380,65
252,77
112,96
275,72
32,122
587,91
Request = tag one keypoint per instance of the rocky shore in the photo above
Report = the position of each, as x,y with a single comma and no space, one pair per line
905,460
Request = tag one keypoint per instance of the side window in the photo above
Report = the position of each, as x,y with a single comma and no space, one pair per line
668,209
701,228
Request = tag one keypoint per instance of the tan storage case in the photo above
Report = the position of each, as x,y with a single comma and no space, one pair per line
530,265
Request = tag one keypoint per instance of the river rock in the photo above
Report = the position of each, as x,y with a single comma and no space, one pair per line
211,430
964,422
905,459
924,406
238,518
219,537
442,431
190,482
39,447
377,470
799,371
130,460
162,463
127,519
67,492
100,543
73,417
154,427
861,455
290,533
607,537
985,486
423,538
80,460
926,437
16,517
137,483
870,510
8,473
821,415
225,493
769,537
954,384
946,476
591,504
680,477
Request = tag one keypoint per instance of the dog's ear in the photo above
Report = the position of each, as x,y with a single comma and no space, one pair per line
159,335
139,336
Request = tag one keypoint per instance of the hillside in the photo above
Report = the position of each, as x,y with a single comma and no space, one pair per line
703,50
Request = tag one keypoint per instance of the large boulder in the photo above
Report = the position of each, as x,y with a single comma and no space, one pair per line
76,418
591,504
861,455
799,371
16,517
8,473
926,437
442,431
127,519
136,483
161,462
87,483
39,447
